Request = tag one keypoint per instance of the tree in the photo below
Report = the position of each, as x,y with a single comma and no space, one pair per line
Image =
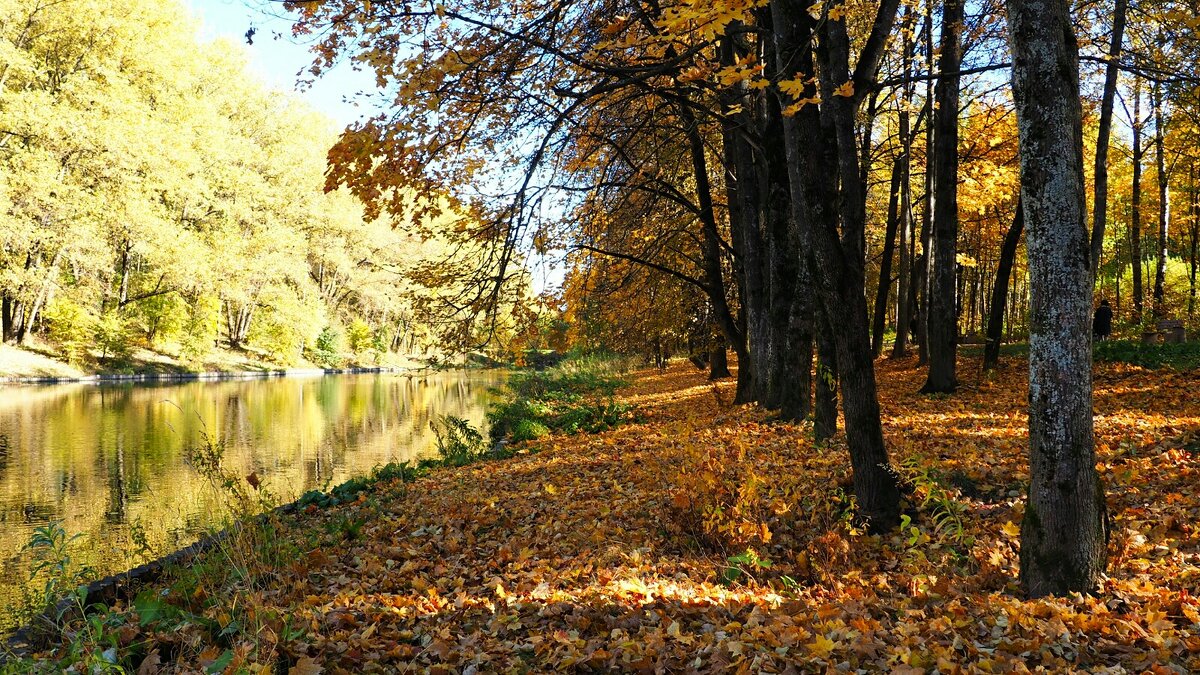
942,317
1063,533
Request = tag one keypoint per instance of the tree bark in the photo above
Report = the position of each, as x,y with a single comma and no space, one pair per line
820,150
925,272
1008,256
1063,533
710,248
718,362
1100,195
783,375
825,412
904,303
883,290
1135,204
942,324
1194,231
1164,206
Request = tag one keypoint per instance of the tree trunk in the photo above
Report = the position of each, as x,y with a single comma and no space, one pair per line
879,319
1063,533
841,265
718,362
745,194
1164,206
904,304
1100,198
1194,231
7,314
925,272
783,375
1008,256
820,149
942,331
710,248
1135,204
826,411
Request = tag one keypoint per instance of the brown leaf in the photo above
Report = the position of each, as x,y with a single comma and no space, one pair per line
306,666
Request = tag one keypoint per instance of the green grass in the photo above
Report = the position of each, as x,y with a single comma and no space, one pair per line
575,396
1183,356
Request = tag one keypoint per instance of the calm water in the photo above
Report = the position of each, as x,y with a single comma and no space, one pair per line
105,459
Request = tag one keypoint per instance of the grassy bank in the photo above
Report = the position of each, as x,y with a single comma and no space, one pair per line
697,536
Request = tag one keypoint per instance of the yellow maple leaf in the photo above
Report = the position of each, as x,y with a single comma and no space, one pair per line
1010,529
847,89
821,647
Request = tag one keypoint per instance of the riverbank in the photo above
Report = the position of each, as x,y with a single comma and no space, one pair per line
702,537
38,364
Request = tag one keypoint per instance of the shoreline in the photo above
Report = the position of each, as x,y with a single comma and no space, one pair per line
121,586
106,378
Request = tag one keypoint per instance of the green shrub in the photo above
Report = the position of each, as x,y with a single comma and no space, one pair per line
325,350
458,442
528,430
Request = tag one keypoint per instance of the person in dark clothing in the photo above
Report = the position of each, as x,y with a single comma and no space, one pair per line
1102,321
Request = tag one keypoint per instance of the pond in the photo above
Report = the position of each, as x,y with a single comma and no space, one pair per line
109,461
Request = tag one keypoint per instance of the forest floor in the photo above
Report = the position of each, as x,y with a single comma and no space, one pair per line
41,360
705,537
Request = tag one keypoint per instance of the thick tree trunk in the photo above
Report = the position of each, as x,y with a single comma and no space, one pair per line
1164,206
792,303
783,376
820,149
746,192
1135,204
825,412
796,366
1063,533
1008,256
942,331
1100,196
882,291
718,362
841,266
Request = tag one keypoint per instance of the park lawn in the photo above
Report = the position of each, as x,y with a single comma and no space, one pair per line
704,537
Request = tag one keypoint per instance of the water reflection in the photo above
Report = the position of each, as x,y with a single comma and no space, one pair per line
101,458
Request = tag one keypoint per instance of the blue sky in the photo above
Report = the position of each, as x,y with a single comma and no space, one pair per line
277,58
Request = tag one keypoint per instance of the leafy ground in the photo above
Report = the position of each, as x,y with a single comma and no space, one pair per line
707,538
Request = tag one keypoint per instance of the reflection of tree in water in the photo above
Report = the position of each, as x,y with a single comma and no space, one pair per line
101,457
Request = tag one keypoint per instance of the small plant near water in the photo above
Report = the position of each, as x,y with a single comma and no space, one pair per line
458,442
53,577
